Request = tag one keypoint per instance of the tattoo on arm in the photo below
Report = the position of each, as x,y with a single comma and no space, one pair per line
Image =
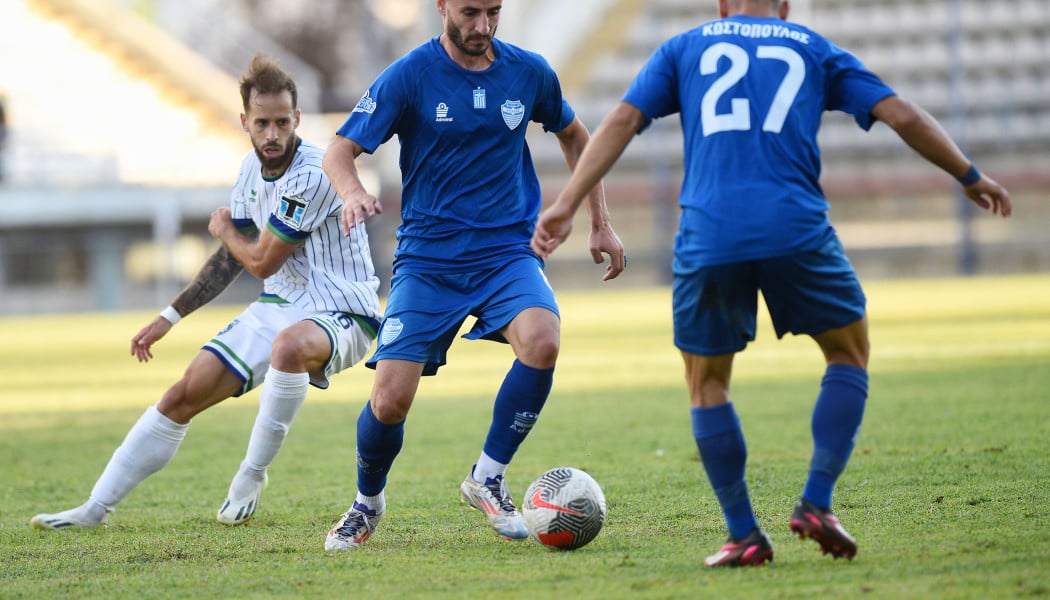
216,275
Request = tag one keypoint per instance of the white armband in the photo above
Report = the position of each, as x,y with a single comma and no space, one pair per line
171,315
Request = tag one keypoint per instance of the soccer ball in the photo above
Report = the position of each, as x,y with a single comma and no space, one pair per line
564,508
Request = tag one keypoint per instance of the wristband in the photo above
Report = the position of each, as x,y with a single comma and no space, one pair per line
171,315
971,177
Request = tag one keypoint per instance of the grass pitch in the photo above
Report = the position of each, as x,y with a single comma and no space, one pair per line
948,491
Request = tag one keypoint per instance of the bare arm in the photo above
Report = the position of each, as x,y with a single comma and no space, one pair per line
340,165
217,273
602,239
598,156
926,136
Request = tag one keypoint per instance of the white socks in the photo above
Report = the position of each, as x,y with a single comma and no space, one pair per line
153,440
375,503
279,401
488,468
149,445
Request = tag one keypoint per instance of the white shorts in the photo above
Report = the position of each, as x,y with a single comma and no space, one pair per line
244,345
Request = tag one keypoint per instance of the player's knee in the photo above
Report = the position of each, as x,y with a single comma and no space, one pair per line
289,352
390,407
177,404
854,354
541,352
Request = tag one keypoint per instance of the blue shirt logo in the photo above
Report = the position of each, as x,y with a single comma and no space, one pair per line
513,112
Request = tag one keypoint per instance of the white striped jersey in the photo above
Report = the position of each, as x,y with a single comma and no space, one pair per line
327,272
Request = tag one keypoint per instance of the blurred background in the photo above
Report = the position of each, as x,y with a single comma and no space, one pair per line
120,131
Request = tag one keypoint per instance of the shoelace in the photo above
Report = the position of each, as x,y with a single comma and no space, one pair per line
496,487
353,524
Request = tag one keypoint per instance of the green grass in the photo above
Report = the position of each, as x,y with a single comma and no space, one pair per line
948,492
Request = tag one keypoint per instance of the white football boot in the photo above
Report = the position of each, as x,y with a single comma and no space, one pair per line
238,511
493,499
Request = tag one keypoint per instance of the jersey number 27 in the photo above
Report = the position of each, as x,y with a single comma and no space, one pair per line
739,116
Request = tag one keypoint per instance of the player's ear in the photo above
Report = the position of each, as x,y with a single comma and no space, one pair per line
244,122
783,10
723,8
441,7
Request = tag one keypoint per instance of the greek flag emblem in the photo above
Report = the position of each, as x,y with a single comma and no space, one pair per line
479,99
513,112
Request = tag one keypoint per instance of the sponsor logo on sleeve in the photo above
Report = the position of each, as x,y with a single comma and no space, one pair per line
366,104
292,210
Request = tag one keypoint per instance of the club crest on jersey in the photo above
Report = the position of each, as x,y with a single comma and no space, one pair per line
292,210
366,104
513,112
391,329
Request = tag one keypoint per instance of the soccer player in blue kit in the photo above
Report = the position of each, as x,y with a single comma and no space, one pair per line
460,104
751,89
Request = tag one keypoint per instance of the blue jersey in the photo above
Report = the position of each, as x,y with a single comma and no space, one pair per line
751,93
470,195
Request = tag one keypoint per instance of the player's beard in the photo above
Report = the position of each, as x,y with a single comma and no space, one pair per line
279,163
457,40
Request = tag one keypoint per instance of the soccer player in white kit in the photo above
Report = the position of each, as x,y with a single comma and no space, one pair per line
317,315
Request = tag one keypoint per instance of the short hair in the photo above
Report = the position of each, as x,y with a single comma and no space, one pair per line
774,4
265,76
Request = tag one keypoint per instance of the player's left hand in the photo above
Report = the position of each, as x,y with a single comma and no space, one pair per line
357,207
603,240
142,343
989,195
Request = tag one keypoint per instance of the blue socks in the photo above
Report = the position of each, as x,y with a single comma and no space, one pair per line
377,447
723,452
517,406
836,422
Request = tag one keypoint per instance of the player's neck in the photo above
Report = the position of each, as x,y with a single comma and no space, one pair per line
757,8
467,61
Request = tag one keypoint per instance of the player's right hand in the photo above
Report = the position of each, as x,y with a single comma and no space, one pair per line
552,228
358,207
143,340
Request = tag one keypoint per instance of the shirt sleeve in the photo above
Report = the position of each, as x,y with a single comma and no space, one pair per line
306,200
239,211
852,88
375,118
653,90
553,112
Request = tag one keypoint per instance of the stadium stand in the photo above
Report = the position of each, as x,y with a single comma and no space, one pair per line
979,66
114,194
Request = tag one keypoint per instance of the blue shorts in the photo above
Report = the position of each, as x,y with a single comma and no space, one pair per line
425,311
807,293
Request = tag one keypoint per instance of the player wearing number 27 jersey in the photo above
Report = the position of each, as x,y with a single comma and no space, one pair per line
751,93
751,89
